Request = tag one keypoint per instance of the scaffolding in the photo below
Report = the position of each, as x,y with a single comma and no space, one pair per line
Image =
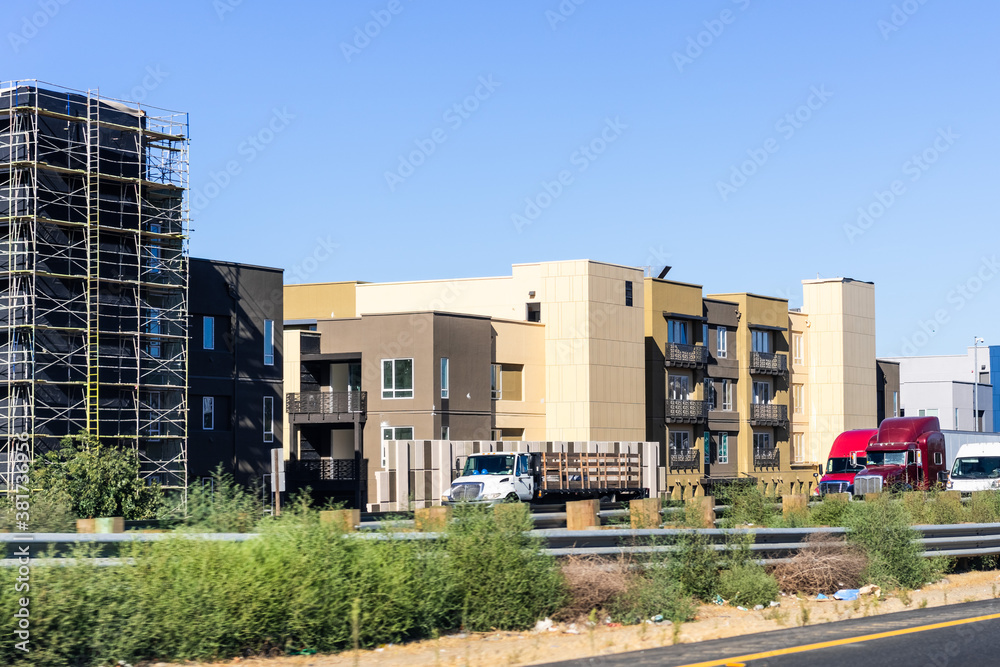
93,276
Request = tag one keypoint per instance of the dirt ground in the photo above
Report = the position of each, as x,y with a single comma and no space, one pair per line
566,641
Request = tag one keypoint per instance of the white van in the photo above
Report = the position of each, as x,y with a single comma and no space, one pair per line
976,467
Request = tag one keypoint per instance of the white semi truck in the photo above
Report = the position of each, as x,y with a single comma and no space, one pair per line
527,477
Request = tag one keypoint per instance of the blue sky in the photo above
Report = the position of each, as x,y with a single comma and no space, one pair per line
738,141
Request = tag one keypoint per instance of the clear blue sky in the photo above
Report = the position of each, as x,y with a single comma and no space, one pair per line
659,187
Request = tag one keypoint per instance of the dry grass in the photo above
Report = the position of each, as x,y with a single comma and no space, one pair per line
592,583
829,564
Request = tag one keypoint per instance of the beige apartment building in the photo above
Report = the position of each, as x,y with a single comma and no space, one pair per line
581,351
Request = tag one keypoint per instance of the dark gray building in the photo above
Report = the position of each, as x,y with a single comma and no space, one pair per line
235,382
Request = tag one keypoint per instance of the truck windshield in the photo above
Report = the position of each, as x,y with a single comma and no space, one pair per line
842,464
887,458
489,465
980,467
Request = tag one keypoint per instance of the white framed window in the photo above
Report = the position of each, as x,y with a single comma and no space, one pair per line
208,332
208,413
762,393
397,378
268,418
680,441
390,433
444,378
762,442
268,342
727,395
798,398
678,387
711,395
798,448
677,331
722,454
446,433
496,381
722,346
895,404
798,349
761,340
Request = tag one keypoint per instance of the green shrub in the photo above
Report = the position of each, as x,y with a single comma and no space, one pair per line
829,512
882,528
651,592
942,509
223,506
984,507
749,505
747,584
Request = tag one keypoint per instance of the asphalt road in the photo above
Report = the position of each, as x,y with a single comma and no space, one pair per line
938,637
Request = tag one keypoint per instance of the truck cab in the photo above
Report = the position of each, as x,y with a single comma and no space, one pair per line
976,468
907,453
846,459
493,478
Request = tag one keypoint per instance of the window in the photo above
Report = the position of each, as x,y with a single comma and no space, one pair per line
929,412
798,351
268,342
722,454
798,448
727,395
444,378
721,344
155,250
628,292
153,405
711,395
496,381
679,388
956,418
510,381
534,312
938,460
761,341
208,332
762,393
762,442
704,335
208,413
154,328
680,441
798,394
268,419
677,331
397,378
446,433
895,404
390,433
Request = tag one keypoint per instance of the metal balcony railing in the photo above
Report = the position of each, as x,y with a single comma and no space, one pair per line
767,458
680,411
327,402
684,459
768,414
768,363
325,470
679,355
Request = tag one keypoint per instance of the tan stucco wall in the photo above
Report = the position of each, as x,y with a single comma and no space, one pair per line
523,343
319,301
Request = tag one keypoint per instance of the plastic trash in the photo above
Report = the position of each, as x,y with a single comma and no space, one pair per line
774,604
718,600
822,597
758,607
743,609
870,589
847,594
542,626
657,618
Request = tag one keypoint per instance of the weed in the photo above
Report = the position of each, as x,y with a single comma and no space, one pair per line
923,603
803,613
904,597
747,584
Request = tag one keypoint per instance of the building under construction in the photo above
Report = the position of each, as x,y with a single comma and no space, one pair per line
93,275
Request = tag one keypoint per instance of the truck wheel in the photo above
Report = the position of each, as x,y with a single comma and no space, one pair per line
512,498
608,498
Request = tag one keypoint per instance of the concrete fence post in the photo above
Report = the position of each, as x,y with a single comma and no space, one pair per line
703,511
644,513
582,514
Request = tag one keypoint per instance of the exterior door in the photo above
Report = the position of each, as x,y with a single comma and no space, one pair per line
524,483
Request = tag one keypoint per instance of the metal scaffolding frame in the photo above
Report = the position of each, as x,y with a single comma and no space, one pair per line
93,275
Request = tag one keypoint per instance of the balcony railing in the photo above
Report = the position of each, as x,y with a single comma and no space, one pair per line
327,403
768,414
768,363
324,470
767,458
686,412
684,459
679,355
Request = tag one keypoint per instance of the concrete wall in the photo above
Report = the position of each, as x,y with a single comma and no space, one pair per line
319,301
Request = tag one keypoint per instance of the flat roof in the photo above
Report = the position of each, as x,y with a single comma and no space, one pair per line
241,265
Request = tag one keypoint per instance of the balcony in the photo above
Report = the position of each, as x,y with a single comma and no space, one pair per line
768,363
766,458
686,412
768,414
684,459
327,475
679,355
327,407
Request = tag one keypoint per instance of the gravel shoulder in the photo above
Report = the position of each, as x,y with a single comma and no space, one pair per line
565,642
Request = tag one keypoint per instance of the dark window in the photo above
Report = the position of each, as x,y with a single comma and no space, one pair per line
628,292
534,312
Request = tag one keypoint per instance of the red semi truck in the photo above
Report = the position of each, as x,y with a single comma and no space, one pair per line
846,459
906,453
